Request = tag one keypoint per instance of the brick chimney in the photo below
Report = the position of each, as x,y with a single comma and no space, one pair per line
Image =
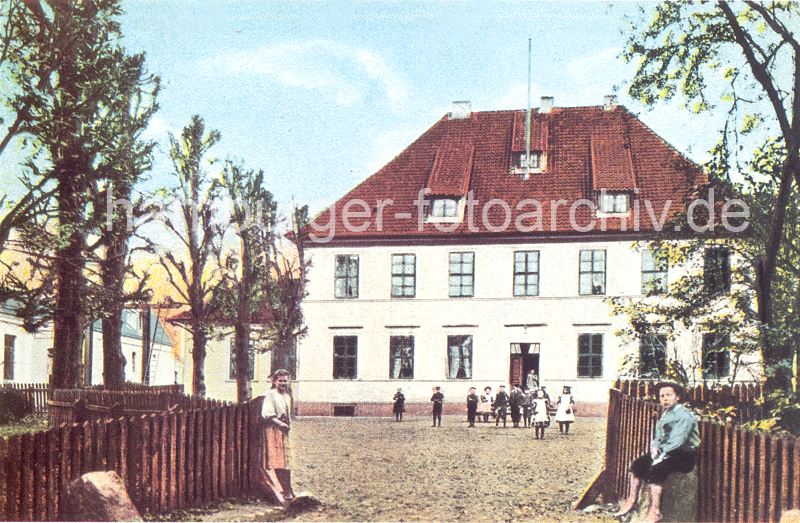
609,102
547,104
461,109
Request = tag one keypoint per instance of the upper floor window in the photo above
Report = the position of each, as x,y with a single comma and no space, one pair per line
8,356
717,270
592,276
526,273
652,355
614,202
459,357
654,273
346,276
345,357
523,162
716,356
401,354
404,275
444,208
590,356
251,357
462,274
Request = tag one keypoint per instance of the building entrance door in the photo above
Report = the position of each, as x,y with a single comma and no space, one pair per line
524,366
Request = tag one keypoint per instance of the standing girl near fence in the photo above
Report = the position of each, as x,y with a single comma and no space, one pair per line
276,412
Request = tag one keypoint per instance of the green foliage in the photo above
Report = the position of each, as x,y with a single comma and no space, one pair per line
13,406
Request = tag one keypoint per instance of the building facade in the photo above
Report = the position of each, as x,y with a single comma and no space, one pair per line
483,255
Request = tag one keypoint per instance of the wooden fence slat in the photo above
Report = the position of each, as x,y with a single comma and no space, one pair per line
4,486
230,483
152,465
207,476
147,463
39,476
180,460
729,512
163,457
53,480
87,458
27,480
14,478
172,455
215,457
773,508
762,513
191,463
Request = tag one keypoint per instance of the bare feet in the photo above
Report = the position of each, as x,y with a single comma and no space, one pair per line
654,517
625,509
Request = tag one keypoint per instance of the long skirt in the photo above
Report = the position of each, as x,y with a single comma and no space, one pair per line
276,443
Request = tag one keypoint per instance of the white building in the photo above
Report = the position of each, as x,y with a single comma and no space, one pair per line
26,356
498,269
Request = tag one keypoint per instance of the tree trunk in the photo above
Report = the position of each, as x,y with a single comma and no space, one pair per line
69,265
113,274
283,356
242,351
198,358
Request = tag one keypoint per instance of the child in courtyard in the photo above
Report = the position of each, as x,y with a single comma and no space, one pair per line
527,406
472,406
565,412
500,406
485,406
399,405
540,416
438,403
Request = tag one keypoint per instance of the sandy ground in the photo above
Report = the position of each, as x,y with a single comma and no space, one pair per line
375,469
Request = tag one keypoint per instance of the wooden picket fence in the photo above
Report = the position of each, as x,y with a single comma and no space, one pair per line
168,461
36,395
743,475
744,397
79,405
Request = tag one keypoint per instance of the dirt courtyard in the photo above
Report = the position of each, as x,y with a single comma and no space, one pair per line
375,469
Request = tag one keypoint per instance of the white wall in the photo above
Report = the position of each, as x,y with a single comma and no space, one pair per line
559,312
219,385
31,359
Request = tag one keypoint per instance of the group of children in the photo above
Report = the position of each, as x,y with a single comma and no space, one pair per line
525,405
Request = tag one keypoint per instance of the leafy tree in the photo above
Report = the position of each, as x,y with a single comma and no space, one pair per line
70,83
198,233
285,291
681,51
241,293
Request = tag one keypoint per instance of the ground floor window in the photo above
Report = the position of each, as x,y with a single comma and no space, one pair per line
590,356
716,356
232,369
401,357
345,357
459,357
652,355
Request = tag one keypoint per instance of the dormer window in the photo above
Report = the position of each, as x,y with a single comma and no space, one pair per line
614,203
523,163
444,208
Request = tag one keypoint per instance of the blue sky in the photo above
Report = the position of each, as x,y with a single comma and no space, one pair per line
322,94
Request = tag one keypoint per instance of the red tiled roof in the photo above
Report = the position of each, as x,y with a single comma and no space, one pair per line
539,129
589,148
612,161
451,170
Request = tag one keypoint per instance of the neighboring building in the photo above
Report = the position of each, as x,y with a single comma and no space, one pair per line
220,364
26,355
412,292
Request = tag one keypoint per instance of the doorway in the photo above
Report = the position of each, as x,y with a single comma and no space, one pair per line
524,367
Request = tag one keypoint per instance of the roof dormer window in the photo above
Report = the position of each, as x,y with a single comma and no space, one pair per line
523,164
613,202
444,208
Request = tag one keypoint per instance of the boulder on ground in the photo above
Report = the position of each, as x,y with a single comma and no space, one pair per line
98,496
678,499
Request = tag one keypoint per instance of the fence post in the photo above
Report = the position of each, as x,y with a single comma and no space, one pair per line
612,446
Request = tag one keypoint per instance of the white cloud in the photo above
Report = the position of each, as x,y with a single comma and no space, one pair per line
338,70
388,145
516,97
158,128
